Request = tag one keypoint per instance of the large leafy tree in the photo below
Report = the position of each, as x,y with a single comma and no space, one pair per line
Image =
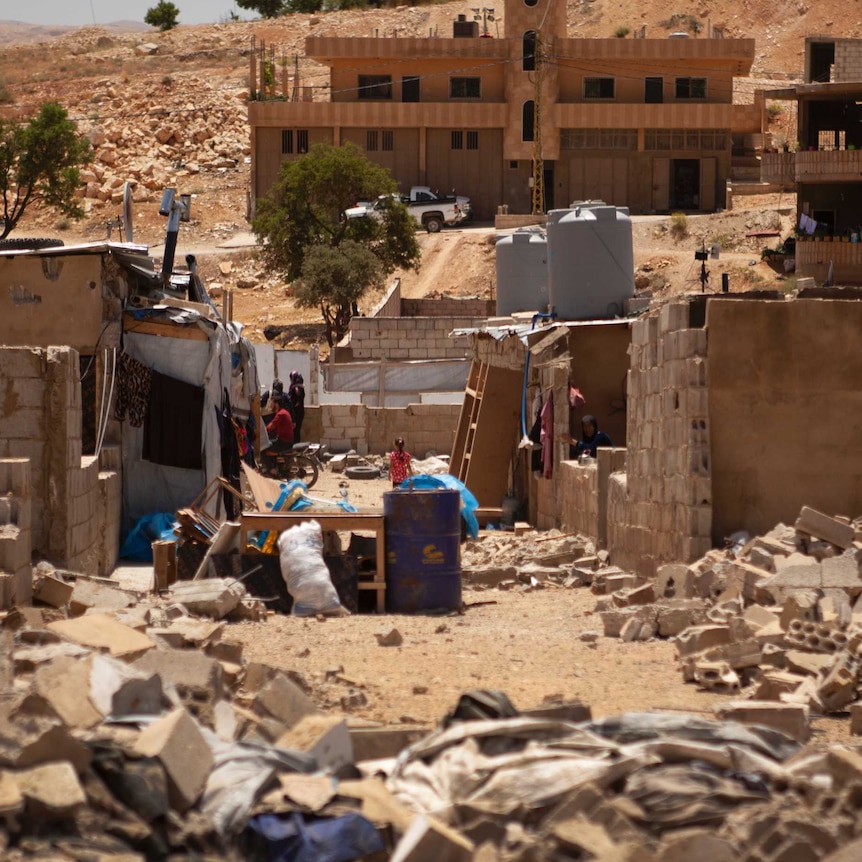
305,235
40,159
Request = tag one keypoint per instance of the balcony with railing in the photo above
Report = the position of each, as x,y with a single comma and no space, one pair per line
814,256
828,166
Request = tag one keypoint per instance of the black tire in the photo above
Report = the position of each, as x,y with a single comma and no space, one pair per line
302,468
26,244
433,224
362,471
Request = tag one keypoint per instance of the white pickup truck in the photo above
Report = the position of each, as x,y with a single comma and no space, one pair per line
428,209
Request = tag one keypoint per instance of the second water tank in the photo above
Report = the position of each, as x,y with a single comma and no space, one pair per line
590,261
522,272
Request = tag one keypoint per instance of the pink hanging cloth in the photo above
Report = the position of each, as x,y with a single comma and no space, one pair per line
547,436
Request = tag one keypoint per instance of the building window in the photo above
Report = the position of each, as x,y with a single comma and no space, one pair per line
513,164
529,50
599,88
375,86
288,139
387,143
530,2
691,88
371,141
715,140
528,121
472,140
599,139
457,140
465,88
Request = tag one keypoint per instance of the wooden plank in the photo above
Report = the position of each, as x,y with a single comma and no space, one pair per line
163,330
264,490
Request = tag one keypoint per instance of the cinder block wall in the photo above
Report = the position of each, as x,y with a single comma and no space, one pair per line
16,574
371,430
662,510
848,60
74,507
399,338
448,307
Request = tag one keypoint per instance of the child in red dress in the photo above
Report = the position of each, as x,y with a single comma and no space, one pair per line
399,463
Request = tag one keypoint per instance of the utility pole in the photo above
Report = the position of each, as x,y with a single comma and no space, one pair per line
538,164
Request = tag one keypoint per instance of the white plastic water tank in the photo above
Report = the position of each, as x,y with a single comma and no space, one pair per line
590,261
522,271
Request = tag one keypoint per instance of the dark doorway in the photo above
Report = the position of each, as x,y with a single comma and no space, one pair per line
653,90
548,184
822,57
410,88
825,220
685,184
528,119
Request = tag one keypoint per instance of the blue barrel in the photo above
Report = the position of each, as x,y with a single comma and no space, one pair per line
423,546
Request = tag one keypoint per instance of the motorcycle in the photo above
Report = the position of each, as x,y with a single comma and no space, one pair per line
301,461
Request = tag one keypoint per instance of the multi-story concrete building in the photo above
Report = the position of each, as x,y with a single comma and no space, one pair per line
825,165
643,123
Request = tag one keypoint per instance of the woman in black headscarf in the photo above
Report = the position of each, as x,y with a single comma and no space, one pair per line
591,439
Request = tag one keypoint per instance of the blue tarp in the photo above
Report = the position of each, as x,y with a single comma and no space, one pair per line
469,503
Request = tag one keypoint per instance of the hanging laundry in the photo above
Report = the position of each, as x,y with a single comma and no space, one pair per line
548,435
173,428
576,398
133,390
807,224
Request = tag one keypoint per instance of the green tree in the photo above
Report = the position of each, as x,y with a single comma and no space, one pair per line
165,15
335,278
40,160
264,8
304,213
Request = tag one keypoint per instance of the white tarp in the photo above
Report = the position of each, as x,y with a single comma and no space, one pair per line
434,376
149,487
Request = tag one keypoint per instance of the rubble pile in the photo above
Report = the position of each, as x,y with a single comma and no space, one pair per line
775,620
529,559
633,788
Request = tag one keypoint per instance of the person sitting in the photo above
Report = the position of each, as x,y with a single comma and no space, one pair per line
591,439
280,429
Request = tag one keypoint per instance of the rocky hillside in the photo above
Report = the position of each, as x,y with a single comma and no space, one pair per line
169,108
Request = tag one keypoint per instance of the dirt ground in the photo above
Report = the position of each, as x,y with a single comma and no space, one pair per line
524,641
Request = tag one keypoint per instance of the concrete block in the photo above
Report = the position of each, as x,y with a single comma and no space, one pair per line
101,631
822,526
790,719
716,676
51,590
699,638
614,620
285,701
197,679
856,726
177,742
812,664
841,573
376,743
800,605
88,594
117,689
64,684
775,683
51,791
429,840
697,844
324,737
838,687
642,595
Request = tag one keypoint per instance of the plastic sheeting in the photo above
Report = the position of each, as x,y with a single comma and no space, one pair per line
679,769
429,376
149,487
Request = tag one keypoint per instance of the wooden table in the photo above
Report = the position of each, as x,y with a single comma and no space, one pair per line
253,522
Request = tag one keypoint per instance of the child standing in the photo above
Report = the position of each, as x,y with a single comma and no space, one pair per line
399,463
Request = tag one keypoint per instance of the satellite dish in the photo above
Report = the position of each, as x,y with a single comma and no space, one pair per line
128,218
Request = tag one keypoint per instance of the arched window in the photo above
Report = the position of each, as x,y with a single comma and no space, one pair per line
528,120
529,51
530,2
